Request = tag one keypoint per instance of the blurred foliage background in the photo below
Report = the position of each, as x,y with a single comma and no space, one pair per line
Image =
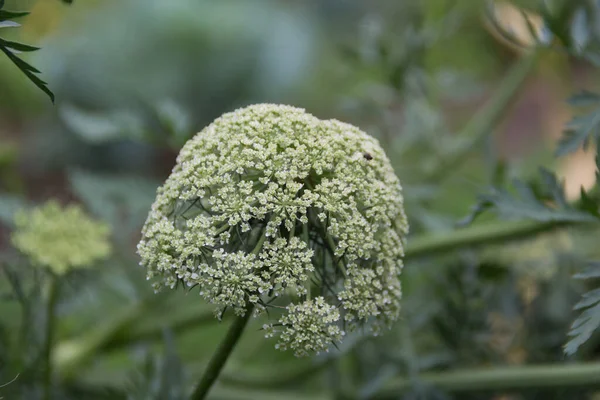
464,95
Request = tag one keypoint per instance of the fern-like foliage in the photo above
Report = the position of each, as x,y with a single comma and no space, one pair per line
589,320
544,201
12,49
583,128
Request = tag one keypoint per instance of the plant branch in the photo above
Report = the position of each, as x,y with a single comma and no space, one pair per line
116,335
220,357
70,355
484,121
222,393
475,235
285,377
53,288
155,330
502,378
419,246
121,330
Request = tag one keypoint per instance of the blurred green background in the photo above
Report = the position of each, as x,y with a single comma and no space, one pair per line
459,104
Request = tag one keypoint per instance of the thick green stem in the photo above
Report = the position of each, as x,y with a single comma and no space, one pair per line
475,235
418,246
51,300
502,379
484,121
218,360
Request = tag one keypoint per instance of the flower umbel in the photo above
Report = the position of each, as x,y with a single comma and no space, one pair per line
60,239
298,216
309,327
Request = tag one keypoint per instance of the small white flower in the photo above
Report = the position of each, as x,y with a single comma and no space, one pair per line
270,204
310,327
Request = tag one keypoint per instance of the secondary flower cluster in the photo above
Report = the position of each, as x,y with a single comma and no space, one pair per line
60,239
273,208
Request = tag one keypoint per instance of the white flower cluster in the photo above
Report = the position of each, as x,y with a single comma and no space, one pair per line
61,238
271,207
309,327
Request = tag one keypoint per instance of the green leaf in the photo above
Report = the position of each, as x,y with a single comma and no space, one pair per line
11,48
592,271
585,325
588,204
28,70
584,99
6,15
17,46
547,204
589,320
588,299
9,24
582,128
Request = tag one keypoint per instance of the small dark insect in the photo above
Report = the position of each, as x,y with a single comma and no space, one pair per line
367,156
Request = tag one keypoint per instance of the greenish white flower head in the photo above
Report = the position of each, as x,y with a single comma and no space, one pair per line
300,218
60,239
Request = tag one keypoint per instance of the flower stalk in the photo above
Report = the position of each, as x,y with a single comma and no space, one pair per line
484,121
502,379
476,235
52,297
70,355
217,362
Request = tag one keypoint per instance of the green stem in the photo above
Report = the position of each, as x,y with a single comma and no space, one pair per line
484,121
154,331
222,229
218,360
53,286
335,380
70,355
259,244
418,246
121,330
475,235
502,378
280,378
223,393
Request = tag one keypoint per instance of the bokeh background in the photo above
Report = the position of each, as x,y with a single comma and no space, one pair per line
134,79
